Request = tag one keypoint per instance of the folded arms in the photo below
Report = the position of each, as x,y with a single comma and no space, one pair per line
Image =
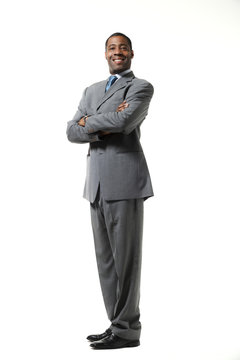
128,115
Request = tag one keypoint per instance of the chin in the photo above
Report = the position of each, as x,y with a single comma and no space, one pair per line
118,70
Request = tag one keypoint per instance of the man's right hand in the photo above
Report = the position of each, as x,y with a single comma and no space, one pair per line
82,121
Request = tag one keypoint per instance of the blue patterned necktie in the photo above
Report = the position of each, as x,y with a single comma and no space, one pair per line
110,82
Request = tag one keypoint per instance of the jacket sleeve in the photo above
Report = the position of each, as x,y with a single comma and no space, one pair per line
76,133
138,98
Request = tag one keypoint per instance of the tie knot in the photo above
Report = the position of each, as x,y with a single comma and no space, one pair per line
111,81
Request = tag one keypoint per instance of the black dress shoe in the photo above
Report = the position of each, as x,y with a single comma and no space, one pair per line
100,336
114,342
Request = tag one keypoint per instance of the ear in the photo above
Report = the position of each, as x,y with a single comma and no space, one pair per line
132,53
105,55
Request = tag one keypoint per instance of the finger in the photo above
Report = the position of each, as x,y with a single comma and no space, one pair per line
123,103
122,106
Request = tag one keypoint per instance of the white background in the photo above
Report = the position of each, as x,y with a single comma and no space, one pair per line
50,295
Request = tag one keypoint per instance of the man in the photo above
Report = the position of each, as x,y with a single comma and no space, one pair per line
117,183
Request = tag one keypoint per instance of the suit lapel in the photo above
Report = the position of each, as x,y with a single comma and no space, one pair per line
115,87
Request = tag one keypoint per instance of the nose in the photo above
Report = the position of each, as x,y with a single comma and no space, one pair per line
118,53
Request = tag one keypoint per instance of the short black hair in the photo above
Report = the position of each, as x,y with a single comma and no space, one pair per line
119,34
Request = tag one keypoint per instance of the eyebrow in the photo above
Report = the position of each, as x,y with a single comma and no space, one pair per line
119,45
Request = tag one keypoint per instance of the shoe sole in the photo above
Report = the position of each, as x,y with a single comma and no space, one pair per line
132,344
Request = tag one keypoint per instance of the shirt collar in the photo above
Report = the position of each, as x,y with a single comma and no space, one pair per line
123,73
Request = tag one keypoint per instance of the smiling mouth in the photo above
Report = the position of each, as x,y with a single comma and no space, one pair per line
118,61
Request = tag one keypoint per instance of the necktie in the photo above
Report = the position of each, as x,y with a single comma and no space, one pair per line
110,82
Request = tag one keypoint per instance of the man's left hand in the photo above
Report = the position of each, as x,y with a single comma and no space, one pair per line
122,106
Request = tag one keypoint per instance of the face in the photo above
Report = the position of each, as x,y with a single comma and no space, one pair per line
118,54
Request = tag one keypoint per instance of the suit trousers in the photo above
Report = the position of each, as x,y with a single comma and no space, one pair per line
117,229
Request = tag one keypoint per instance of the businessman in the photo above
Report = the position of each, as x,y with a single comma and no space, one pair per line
109,117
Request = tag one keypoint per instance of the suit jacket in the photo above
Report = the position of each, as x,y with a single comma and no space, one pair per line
114,161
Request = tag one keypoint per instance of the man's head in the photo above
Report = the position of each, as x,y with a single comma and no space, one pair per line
118,52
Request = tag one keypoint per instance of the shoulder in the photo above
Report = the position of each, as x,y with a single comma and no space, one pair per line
142,84
141,81
93,90
97,84
95,87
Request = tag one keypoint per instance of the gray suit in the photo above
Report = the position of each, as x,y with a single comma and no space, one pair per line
117,182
